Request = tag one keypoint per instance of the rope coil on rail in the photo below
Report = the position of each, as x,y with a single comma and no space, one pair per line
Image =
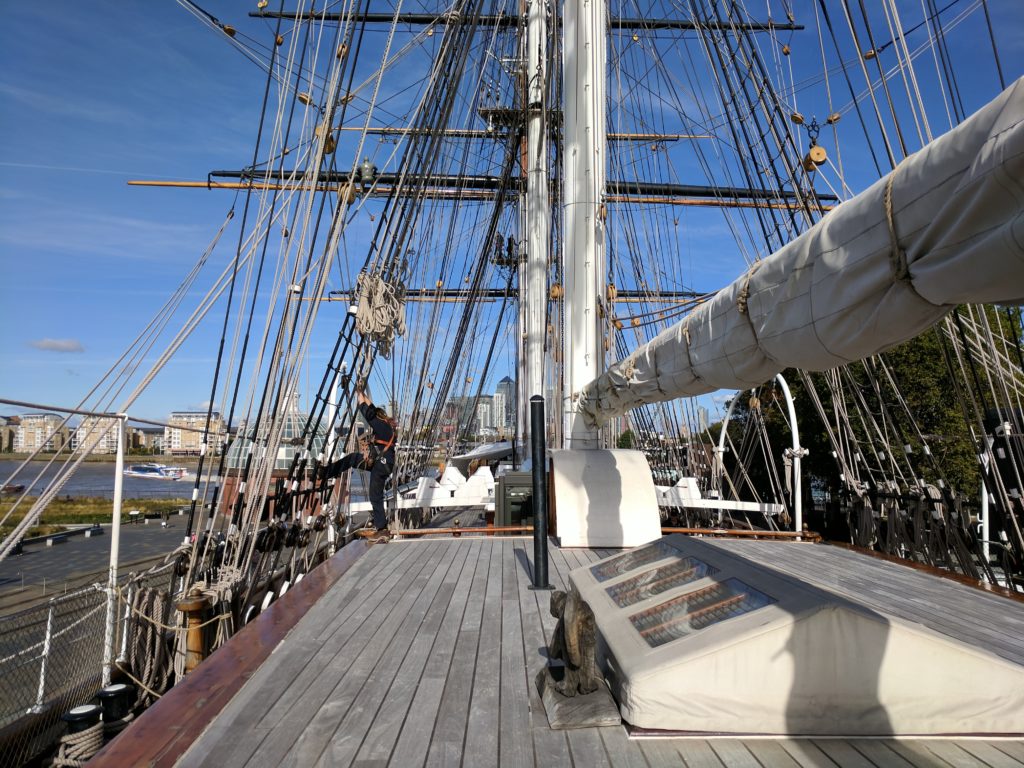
76,749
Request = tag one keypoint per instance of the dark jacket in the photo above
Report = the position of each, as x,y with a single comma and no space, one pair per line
383,432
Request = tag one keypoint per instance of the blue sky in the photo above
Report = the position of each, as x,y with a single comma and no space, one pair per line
94,94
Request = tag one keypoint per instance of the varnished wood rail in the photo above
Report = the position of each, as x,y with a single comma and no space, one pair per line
743,533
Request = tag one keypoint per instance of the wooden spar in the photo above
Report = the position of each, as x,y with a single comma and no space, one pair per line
479,133
700,202
466,194
458,295
506,20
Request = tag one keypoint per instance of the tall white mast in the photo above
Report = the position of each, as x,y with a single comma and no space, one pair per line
538,203
583,68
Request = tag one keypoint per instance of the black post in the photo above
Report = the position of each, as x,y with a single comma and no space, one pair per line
540,494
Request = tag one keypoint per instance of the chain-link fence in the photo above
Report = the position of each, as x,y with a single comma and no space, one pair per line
51,660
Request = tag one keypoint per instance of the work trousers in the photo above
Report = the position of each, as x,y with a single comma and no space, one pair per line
379,474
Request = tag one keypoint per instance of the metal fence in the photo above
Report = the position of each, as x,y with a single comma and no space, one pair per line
51,660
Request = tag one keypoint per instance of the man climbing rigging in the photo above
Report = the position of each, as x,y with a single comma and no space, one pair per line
376,455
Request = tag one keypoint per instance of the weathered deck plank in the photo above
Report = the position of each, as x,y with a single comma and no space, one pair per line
425,646
917,754
516,740
660,753
806,754
989,754
339,727
428,657
1014,749
449,735
879,753
278,686
303,730
533,604
482,728
734,753
621,752
843,754
328,628
422,711
955,755
770,752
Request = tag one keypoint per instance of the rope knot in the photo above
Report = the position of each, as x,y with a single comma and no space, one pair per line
744,296
629,367
897,255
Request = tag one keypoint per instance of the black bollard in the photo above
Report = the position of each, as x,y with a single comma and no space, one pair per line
540,494
81,718
116,701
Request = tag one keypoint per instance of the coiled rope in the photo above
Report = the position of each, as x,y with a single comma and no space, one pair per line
114,727
75,749
147,662
380,313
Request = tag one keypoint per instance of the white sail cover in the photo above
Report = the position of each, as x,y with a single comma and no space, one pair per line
841,292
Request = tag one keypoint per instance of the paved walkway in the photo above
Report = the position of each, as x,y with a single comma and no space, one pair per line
78,555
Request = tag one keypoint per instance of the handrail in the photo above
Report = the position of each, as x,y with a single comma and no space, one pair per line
744,533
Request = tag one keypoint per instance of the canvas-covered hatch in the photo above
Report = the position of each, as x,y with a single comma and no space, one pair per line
697,635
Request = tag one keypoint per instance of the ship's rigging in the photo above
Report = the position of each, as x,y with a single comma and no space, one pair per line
413,171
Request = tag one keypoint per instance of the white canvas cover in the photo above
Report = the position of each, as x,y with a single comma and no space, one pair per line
841,292
604,498
808,662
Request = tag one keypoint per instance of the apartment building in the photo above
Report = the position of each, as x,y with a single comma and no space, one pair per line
8,431
98,429
148,439
183,435
41,431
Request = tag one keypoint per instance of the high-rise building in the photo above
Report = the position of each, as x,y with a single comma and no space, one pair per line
504,416
484,414
498,407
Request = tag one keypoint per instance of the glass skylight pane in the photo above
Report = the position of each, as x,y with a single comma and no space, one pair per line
658,580
696,610
641,556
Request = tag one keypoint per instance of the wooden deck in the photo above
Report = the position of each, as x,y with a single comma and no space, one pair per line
424,653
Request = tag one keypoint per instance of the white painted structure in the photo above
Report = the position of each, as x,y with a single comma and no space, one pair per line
695,636
587,318
604,498
538,203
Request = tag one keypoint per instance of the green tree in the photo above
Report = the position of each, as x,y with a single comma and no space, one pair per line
909,391
626,440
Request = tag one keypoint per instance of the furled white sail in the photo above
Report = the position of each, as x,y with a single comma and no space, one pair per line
945,228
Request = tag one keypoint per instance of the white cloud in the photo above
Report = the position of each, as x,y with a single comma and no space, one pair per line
78,107
58,345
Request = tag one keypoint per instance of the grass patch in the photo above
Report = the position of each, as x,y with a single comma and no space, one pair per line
83,511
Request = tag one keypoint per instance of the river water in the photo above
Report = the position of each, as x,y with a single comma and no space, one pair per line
96,479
